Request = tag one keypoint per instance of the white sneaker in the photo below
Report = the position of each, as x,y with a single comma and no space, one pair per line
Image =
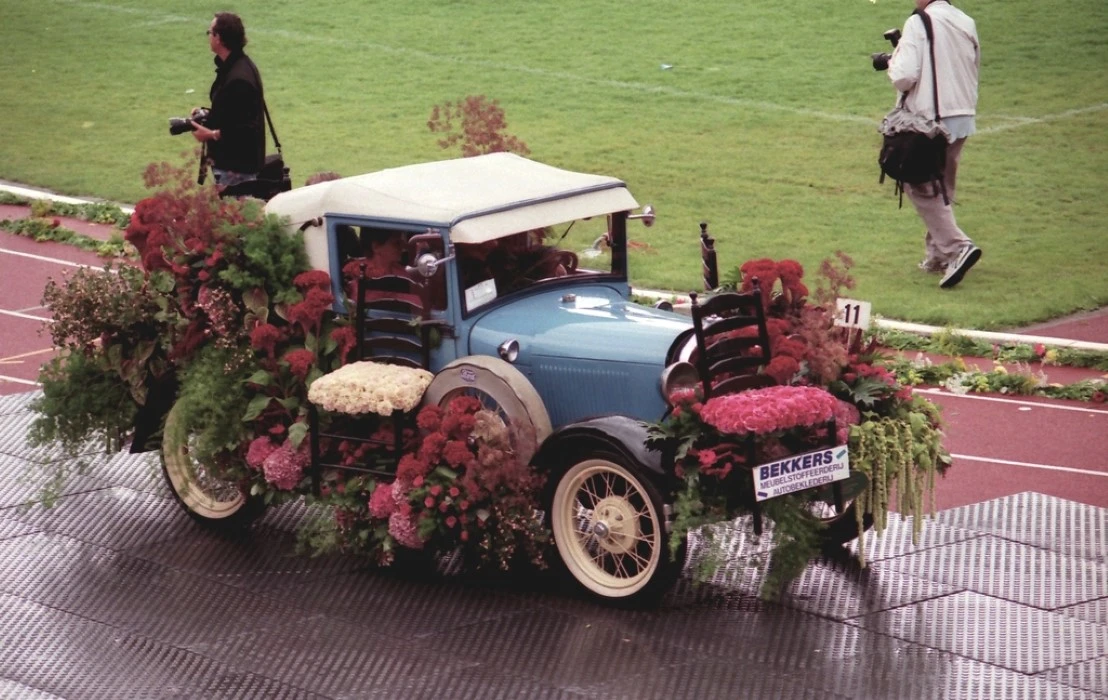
957,268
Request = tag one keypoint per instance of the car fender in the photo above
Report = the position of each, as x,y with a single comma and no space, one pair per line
620,434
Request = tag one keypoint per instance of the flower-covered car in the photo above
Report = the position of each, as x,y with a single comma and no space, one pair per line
524,269
446,357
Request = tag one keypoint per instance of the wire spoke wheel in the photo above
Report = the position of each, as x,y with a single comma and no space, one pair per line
205,497
608,528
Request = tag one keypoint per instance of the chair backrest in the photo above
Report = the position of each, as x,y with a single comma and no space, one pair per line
732,341
391,320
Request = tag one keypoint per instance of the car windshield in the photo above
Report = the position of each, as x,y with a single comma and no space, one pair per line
514,263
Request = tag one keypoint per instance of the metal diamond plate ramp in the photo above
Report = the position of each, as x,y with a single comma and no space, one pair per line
1044,521
54,652
993,631
1008,570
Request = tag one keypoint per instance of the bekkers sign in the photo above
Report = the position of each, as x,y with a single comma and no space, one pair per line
799,472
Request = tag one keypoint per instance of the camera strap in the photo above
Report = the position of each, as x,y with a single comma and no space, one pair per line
265,109
926,19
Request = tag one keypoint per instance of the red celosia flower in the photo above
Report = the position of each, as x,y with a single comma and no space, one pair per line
312,278
412,469
429,418
265,337
347,339
300,362
308,314
456,453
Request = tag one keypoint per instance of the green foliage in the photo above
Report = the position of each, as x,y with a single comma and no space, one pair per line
739,132
47,230
950,342
217,425
273,259
81,399
959,378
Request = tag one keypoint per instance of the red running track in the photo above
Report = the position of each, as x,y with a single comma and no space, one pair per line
1001,446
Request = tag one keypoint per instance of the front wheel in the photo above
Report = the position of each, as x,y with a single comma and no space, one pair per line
212,502
609,529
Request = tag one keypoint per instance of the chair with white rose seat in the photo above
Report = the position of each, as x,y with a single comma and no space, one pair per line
390,328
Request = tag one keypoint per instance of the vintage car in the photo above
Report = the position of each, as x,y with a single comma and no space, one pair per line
524,266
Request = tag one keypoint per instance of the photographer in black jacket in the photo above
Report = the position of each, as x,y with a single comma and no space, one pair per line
233,131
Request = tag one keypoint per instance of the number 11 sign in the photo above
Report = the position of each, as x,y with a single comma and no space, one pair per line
851,313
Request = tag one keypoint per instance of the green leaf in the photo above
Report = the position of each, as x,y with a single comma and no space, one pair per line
255,408
446,473
256,301
297,432
261,378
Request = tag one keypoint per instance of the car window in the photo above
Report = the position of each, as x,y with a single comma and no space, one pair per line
383,253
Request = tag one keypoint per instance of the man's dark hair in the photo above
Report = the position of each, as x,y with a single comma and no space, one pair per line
231,33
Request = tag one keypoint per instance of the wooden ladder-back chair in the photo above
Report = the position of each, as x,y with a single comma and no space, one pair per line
732,341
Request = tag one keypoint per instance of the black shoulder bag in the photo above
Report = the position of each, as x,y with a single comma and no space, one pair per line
913,150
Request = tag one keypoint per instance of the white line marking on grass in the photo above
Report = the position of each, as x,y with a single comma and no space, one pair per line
1034,404
42,258
1031,465
1029,121
570,77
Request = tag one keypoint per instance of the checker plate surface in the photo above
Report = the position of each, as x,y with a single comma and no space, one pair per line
116,593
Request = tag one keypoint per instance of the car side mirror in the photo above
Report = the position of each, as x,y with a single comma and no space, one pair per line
647,215
426,265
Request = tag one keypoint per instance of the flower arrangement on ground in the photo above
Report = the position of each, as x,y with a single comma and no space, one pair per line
827,379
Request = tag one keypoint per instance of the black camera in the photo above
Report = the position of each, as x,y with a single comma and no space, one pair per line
881,60
182,125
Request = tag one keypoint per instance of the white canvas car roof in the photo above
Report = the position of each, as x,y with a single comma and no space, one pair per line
478,199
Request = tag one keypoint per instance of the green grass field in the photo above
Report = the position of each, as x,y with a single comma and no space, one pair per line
764,126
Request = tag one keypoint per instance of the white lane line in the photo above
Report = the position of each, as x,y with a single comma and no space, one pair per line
28,317
997,399
17,380
153,15
1030,465
43,258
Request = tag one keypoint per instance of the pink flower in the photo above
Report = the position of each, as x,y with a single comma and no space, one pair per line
404,531
284,467
1040,349
846,415
260,448
769,410
382,502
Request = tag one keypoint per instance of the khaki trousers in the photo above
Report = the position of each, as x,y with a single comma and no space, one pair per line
944,239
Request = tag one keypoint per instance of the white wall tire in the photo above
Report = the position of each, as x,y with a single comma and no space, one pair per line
609,529
499,387
211,502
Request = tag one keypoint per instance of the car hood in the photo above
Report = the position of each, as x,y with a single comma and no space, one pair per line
582,323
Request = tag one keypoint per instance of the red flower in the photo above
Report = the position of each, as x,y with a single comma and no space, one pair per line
429,418
456,453
451,521
1098,397
300,362
454,492
1040,349
312,278
429,502
346,338
265,337
436,490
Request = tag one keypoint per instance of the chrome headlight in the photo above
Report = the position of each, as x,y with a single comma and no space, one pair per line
679,375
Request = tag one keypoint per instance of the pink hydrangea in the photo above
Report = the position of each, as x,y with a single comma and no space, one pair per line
284,468
260,448
403,529
383,502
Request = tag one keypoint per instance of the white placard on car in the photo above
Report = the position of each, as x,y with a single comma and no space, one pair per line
799,472
851,313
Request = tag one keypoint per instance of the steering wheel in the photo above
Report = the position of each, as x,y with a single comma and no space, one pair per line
568,260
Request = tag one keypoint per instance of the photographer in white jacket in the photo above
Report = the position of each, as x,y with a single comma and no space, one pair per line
957,60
